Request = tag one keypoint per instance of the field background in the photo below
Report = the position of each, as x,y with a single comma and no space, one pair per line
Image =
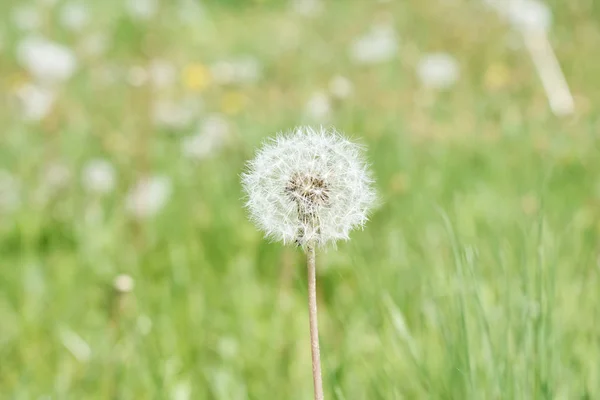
477,277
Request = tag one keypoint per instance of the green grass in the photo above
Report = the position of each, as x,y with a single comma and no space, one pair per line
475,279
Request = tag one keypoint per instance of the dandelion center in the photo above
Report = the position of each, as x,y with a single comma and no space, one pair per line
309,192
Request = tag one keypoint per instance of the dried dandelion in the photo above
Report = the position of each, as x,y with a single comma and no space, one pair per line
310,187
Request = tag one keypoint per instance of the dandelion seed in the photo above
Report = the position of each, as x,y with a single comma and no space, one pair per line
98,176
148,197
47,61
376,46
438,70
309,187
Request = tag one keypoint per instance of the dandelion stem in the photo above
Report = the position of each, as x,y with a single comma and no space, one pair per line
314,327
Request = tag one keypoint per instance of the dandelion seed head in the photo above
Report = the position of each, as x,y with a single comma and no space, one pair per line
309,187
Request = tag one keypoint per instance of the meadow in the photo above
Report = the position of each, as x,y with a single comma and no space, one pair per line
129,269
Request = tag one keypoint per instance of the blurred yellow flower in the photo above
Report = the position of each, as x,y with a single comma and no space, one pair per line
233,102
196,77
497,77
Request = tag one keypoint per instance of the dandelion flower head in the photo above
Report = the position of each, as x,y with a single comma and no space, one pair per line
309,187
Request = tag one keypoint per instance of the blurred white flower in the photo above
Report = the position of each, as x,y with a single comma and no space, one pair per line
528,14
124,283
236,71
438,70
10,192
98,176
308,8
378,45
163,74
47,61
173,114
149,196
340,87
75,16
27,18
318,106
211,136
142,9
307,187
36,102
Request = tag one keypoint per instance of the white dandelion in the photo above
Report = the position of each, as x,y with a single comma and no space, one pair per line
438,70
209,139
98,176
378,45
47,61
529,14
36,102
149,196
340,87
310,187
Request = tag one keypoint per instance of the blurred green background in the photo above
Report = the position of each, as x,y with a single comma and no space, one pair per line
130,271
